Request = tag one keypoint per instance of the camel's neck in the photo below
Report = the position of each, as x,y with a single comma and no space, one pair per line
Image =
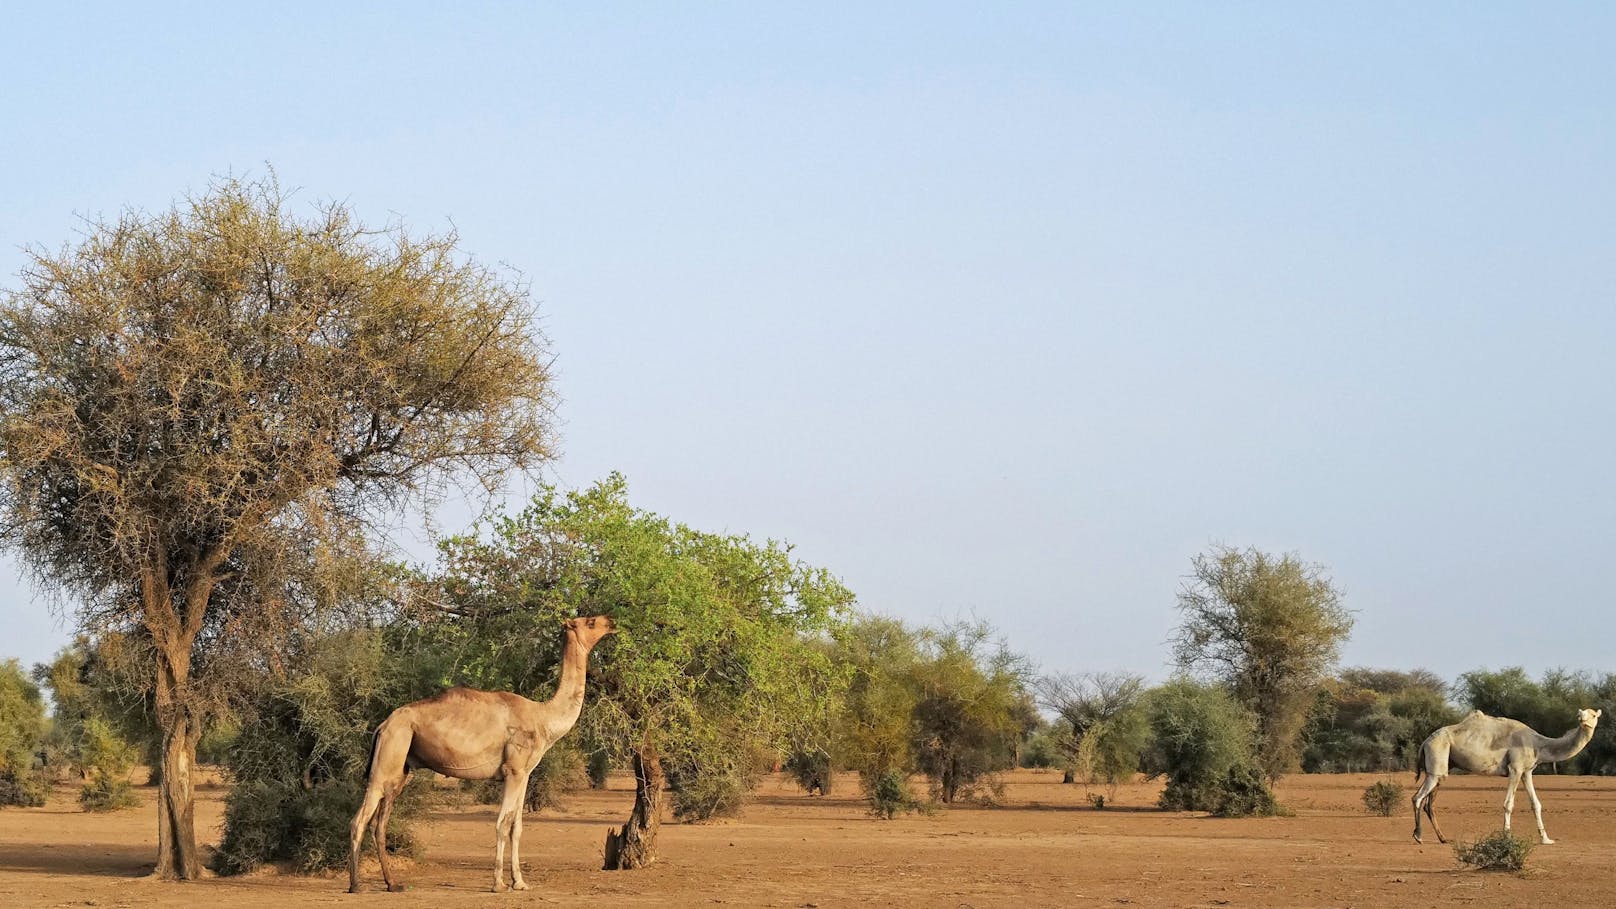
1566,746
569,696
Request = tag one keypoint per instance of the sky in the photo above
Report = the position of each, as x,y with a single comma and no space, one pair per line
995,310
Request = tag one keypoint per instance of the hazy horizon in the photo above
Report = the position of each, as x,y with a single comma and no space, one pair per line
1001,311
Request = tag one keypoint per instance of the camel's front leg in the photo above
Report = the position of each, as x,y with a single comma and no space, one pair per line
1537,809
510,807
1509,796
517,883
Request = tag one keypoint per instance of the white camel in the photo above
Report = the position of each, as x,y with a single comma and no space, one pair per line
1489,744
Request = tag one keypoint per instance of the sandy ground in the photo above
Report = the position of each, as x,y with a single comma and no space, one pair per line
1042,846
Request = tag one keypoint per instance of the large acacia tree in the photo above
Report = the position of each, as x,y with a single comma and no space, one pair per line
189,399
1271,628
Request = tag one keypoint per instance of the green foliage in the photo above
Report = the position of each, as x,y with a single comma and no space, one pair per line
302,753
889,795
1202,743
1268,627
107,760
1497,851
812,770
22,733
100,724
1044,747
1383,797
875,731
1108,728
719,654
1373,720
971,708
1244,792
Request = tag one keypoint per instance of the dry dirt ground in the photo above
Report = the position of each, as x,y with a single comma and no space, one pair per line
1043,845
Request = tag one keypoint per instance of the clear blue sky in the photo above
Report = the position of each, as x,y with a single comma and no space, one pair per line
991,308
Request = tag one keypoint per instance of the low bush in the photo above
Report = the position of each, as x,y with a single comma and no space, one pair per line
1497,851
1383,798
890,796
106,760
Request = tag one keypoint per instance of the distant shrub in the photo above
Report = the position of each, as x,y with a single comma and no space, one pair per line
1244,792
1497,851
22,733
890,796
106,759
23,788
598,767
1097,801
1383,798
811,770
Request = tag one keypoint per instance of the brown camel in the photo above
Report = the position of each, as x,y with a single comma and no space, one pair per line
1488,744
474,735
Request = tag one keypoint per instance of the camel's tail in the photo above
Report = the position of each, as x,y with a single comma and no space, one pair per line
375,742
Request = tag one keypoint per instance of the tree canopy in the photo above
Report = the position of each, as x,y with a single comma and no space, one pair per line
1271,628
714,666
193,400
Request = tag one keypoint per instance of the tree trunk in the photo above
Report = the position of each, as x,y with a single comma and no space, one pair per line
177,856
634,845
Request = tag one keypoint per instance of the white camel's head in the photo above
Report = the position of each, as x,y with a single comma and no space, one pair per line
1587,716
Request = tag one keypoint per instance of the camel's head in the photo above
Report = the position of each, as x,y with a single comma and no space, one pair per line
1588,717
588,630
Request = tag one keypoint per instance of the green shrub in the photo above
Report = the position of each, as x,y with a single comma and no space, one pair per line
719,789
269,821
598,767
108,794
1202,743
1497,851
1383,798
22,735
106,760
1244,792
24,788
812,770
889,795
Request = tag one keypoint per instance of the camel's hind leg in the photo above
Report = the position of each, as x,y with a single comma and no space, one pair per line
387,771
380,835
356,831
1430,813
1422,801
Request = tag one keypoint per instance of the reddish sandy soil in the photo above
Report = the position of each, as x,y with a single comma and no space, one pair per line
1042,846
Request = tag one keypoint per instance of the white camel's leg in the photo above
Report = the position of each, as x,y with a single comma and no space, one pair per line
1509,796
1422,799
356,831
509,806
1537,809
517,883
